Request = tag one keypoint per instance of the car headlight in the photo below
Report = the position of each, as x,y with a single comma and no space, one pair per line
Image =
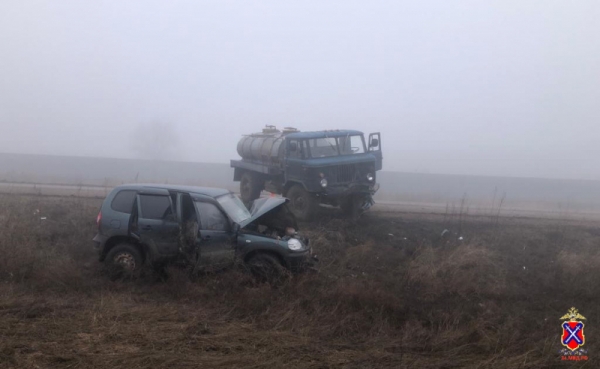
323,183
370,177
294,244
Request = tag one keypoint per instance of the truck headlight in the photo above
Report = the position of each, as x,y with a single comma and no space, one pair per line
370,177
294,244
323,183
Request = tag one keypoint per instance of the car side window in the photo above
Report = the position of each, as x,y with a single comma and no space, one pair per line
155,207
211,218
123,201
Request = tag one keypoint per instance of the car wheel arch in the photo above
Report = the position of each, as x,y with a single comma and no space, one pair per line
275,254
117,240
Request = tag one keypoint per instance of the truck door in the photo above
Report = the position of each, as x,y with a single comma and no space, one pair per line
216,241
375,148
154,224
295,153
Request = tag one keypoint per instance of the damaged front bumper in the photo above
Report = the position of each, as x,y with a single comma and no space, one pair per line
303,260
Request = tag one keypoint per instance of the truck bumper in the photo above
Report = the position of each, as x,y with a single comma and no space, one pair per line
335,194
342,191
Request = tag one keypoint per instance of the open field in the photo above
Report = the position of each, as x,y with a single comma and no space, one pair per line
66,175
497,209
391,292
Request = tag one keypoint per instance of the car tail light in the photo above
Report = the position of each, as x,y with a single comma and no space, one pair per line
99,219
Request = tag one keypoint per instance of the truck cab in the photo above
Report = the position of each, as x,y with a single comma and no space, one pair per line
310,168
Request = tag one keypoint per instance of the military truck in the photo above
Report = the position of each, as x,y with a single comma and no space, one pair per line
334,167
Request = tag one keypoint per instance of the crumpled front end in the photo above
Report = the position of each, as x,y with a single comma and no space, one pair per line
302,259
368,199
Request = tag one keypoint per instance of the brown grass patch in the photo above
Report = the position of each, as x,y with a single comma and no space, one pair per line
390,293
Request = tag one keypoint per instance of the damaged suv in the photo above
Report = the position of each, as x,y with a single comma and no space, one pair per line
206,229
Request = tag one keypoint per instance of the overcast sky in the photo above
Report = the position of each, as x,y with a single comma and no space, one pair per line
466,87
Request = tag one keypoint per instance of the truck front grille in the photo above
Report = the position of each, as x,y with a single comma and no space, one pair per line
343,173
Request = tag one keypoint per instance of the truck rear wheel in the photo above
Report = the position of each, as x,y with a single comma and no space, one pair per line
302,204
250,187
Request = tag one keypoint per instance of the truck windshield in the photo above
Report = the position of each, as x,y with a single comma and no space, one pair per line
333,146
234,208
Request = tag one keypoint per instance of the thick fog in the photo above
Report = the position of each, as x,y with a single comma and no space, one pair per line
507,88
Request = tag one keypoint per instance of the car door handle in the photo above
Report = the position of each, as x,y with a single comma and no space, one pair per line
146,228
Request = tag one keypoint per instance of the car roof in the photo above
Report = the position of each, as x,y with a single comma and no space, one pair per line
207,191
320,134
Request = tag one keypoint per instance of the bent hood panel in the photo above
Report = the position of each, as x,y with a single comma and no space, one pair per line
261,206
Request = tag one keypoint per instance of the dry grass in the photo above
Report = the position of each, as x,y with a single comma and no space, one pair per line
391,292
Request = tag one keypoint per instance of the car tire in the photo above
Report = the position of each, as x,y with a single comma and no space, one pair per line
267,268
250,187
302,204
124,261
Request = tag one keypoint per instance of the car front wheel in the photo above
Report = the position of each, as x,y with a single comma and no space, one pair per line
267,268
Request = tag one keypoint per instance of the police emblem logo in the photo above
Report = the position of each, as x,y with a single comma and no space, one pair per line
572,330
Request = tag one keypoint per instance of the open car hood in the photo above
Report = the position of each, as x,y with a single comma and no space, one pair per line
261,206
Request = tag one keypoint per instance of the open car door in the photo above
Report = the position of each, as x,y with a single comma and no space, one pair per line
375,148
217,241
153,222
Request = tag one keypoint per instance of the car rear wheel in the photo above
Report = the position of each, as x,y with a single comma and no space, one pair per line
124,261
302,204
267,268
250,187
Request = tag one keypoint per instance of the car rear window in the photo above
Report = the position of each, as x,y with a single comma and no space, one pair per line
123,201
155,207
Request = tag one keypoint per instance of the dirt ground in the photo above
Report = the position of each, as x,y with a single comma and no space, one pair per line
391,292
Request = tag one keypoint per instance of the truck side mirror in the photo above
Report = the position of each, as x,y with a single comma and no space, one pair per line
293,146
374,142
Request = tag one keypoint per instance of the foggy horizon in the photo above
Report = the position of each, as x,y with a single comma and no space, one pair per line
497,89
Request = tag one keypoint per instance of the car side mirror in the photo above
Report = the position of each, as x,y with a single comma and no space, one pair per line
374,142
293,146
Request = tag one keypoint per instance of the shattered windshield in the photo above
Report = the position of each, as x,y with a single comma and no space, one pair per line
234,207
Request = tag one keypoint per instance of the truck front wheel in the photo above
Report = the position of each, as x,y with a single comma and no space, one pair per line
250,187
351,206
302,203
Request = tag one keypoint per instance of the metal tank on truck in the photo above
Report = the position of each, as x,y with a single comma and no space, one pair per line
335,167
